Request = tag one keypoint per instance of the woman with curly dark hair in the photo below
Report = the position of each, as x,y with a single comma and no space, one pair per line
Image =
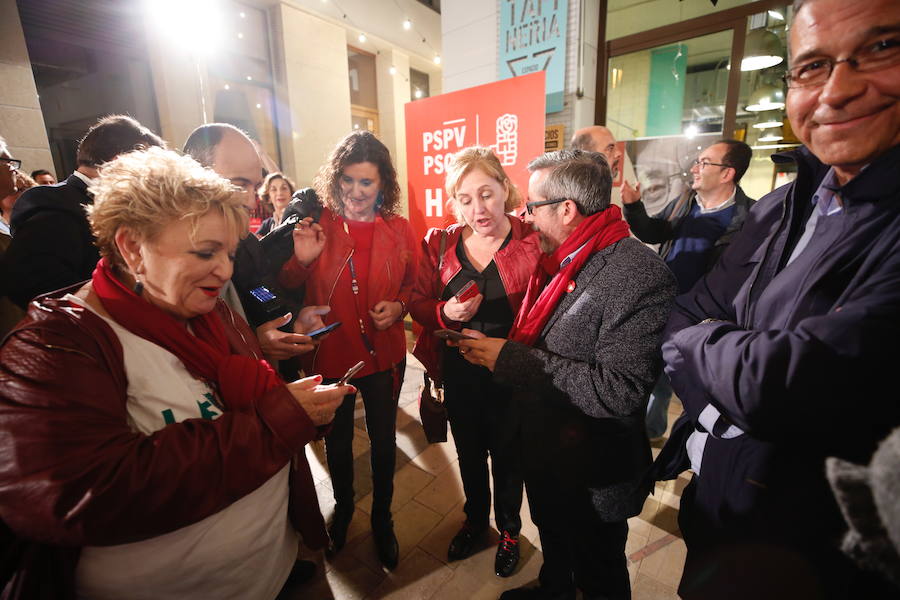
360,259
276,191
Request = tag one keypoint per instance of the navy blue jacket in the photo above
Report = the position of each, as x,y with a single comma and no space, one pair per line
802,358
52,245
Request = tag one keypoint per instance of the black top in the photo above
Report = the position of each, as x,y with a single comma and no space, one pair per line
494,317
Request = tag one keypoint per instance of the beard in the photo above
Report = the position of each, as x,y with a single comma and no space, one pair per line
548,246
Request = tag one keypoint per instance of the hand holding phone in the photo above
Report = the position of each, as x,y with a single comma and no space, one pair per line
317,333
454,336
468,291
350,373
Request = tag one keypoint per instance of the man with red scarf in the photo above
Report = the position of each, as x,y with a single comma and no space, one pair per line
582,357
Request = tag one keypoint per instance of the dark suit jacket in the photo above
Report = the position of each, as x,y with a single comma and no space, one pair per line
52,245
583,388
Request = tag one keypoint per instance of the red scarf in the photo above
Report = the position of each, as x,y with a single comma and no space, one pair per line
206,354
594,233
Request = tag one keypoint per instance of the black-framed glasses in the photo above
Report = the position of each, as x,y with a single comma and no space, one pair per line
14,163
705,163
873,57
530,206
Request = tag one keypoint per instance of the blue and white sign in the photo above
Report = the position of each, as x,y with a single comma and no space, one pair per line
533,38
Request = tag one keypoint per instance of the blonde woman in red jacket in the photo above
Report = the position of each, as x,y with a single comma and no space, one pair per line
360,259
498,253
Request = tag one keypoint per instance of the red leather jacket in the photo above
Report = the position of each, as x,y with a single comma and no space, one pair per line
515,263
392,274
72,472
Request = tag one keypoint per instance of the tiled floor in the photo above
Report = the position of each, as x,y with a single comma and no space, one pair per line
427,509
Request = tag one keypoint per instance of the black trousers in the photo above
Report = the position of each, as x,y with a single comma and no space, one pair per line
579,549
483,423
381,393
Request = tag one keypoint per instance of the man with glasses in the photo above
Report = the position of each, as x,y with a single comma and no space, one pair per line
692,231
785,353
581,357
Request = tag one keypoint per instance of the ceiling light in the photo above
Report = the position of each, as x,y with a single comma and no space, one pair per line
407,24
771,135
691,131
762,50
362,38
392,70
437,59
776,15
766,97
418,93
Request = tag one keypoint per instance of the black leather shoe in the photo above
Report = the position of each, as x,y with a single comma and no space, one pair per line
387,547
536,593
464,541
337,531
507,554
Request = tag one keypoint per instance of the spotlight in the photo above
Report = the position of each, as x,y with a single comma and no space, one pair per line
437,59
407,24
392,70
362,38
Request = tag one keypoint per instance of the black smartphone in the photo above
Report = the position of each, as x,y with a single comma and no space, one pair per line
317,333
350,373
449,334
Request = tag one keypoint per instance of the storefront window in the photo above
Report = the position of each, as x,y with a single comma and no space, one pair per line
626,17
666,103
761,120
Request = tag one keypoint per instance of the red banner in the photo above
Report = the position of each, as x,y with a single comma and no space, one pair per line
506,115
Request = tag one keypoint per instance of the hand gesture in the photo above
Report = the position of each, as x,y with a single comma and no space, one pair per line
385,313
630,195
278,345
482,351
462,312
319,401
309,239
310,318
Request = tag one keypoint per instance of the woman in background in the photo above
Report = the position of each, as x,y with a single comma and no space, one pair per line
276,190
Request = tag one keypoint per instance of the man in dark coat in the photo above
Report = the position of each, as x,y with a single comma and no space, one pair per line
783,354
692,232
52,245
581,358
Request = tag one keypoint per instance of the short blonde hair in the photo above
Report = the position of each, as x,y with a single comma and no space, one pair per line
478,157
147,190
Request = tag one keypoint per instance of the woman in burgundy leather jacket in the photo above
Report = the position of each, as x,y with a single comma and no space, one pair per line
498,253
148,449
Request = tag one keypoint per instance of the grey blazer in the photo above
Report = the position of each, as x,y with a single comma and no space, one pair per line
582,389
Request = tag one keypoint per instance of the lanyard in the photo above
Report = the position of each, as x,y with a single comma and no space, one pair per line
354,285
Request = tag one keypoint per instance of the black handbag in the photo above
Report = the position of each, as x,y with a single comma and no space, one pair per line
432,411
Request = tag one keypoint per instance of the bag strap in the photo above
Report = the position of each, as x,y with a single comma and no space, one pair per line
437,282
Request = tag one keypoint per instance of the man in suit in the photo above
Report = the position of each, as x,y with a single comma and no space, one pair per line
582,356
52,245
784,353
229,152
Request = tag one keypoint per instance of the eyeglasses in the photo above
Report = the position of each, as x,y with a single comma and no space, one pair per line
530,206
14,163
705,163
874,57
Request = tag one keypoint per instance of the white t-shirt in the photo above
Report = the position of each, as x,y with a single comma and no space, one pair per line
245,551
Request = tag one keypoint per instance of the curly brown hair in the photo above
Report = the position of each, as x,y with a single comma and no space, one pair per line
263,191
359,146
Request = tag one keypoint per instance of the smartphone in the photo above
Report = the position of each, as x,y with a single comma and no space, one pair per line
317,333
449,334
262,294
350,373
468,291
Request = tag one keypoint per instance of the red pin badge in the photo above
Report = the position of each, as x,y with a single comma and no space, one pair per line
571,287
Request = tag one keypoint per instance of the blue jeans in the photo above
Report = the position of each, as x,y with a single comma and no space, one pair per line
658,407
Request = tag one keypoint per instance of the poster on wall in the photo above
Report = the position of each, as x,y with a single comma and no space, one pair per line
507,116
533,38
